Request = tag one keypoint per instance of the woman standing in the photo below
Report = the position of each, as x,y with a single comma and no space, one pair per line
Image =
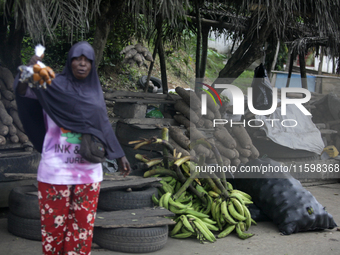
55,119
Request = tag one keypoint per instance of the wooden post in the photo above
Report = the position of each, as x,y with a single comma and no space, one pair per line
205,38
198,45
303,70
275,58
290,69
163,67
318,82
159,36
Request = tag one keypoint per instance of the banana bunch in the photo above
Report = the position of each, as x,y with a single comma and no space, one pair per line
232,213
194,219
206,207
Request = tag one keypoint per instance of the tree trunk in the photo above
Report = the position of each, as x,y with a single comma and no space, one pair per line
290,68
159,26
11,43
163,67
275,58
109,10
248,51
318,82
303,70
321,61
205,38
198,46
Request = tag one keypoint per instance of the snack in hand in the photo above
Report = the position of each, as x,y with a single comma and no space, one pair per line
37,75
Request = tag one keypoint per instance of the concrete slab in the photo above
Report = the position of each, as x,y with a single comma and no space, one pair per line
267,239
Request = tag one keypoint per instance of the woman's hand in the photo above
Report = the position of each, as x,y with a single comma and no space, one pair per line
124,166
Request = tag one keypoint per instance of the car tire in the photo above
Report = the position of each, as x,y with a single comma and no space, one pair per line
132,240
22,227
157,82
22,204
117,200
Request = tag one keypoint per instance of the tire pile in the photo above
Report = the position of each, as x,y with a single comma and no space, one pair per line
24,215
24,219
11,129
132,240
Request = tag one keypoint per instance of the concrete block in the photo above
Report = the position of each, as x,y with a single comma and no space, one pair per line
128,110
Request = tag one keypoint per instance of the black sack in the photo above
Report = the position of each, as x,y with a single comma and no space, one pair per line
92,149
283,199
257,214
262,89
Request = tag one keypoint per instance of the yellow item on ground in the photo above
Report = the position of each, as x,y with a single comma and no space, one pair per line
331,151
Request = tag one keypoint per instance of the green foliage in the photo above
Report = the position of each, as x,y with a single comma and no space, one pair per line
215,64
27,49
244,80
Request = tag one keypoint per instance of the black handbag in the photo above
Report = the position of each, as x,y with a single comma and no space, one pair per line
92,149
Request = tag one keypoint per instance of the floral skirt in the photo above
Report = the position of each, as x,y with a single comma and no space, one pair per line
67,217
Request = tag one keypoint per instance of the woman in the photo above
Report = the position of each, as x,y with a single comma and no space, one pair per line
55,119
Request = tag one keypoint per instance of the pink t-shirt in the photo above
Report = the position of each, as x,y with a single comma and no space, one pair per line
61,162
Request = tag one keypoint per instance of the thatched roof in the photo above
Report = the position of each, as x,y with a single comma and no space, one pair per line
302,23
292,19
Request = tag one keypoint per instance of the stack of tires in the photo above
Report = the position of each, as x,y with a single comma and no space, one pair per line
24,215
132,240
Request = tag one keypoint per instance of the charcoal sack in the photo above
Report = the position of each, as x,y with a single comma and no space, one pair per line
257,214
283,199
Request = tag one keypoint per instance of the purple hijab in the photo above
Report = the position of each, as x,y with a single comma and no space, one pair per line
78,105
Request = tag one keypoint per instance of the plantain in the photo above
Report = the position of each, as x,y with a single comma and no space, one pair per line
209,221
177,204
213,209
173,183
248,217
234,213
242,226
238,206
240,233
247,196
166,187
195,213
230,228
213,194
167,179
218,213
176,210
166,200
184,199
161,201
177,228
182,235
226,214
201,189
209,204
237,196
186,223
204,230
178,186
184,229
230,186
154,199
